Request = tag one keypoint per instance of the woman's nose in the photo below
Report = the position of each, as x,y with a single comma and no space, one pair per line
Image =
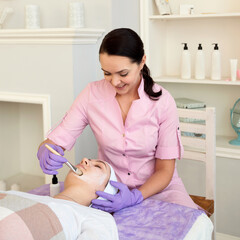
115,81
86,161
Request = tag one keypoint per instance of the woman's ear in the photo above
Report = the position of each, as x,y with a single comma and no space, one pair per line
143,61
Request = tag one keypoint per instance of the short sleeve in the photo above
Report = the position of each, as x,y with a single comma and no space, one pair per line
169,139
73,123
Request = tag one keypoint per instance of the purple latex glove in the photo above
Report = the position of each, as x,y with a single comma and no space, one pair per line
124,198
49,161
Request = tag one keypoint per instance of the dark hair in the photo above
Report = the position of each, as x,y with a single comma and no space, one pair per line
125,42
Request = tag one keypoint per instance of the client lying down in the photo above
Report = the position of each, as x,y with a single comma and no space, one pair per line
67,215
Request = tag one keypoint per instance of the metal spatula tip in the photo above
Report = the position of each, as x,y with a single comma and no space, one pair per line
79,172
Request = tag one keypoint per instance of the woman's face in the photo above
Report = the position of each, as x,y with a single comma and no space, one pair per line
124,75
96,173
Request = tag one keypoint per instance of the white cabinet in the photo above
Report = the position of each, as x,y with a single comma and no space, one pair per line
163,37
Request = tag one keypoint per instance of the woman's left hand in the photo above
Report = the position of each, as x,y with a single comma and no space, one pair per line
124,198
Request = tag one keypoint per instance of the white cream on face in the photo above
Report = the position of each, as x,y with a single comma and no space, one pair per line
95,173
99,180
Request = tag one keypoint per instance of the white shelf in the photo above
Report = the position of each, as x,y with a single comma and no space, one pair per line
195,16
50,36
225,149
195,81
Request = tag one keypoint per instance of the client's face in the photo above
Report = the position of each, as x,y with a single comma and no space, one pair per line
96,173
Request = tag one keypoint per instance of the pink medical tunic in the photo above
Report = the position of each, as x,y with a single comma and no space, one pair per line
151,131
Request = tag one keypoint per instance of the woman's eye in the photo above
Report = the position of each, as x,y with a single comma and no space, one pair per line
123,74
106,74
98,166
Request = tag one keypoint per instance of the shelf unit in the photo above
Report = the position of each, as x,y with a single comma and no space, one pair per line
226,150
223,149
162,37
194,16
196,81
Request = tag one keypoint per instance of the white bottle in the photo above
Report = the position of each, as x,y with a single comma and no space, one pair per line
200,63
15,187
186,63
216,63
3,185
54,186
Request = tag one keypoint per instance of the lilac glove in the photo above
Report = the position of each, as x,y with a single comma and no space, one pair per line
49,161
124,198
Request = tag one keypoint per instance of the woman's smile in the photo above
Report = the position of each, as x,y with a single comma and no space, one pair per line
121,87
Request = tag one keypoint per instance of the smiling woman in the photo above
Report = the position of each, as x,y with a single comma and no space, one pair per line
136,125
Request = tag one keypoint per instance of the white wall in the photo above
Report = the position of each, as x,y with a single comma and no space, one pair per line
125,14
85,71
30,121
54,13
9,131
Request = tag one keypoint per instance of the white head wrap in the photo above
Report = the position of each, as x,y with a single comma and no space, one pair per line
109,188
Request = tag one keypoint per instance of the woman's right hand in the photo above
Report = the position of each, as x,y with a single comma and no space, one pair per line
49,161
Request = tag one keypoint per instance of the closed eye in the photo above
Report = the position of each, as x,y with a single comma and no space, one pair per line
106,74
123,75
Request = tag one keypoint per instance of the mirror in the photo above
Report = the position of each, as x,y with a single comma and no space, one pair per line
235,121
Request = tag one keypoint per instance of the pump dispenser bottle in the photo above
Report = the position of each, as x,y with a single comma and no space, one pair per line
54,186
200,63
216,63
186,63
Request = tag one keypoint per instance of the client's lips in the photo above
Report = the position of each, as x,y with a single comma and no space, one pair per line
81,166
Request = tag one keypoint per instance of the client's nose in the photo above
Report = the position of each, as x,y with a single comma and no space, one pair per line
86,161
